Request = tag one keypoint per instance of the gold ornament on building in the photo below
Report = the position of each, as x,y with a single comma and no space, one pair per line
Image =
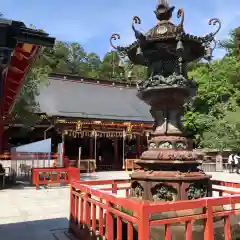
78,126
129,129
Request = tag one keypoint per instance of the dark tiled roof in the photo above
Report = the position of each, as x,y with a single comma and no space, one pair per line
85,100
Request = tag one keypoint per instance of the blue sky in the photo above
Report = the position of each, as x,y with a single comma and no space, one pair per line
91,22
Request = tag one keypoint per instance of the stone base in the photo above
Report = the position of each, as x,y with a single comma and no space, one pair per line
169,186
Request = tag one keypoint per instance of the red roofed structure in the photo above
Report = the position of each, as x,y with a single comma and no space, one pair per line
19,47
21,60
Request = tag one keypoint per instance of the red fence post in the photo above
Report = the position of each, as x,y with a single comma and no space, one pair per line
65,162
72,209
73,174
35,178
87,210
227,228
76,210
114,187
209,226
109,222
143,223
188,227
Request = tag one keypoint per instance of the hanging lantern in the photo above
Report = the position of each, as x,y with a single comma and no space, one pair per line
129,74
180,47
120,63
208,53
139,51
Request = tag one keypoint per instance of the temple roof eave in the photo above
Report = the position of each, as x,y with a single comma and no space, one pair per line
79,99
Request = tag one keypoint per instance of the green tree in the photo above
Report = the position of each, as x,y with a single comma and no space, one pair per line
110,68
56,58
77,58
229,44
223,133
93,62
207,115
138,73
26,107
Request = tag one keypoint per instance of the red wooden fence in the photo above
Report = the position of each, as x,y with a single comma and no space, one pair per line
95,208
48,176
28,155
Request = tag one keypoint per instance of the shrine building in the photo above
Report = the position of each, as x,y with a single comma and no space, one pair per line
106,119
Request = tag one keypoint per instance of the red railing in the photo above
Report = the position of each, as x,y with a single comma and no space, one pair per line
226,184
48,176
95,209
28,155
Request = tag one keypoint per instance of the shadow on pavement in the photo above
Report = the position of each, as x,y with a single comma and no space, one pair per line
49,229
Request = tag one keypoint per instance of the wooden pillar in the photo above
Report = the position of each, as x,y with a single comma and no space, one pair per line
147,137
123,149
62,153
115,149
2,137
139,147
91,148
5,141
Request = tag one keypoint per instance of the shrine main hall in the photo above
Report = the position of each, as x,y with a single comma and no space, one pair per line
103,118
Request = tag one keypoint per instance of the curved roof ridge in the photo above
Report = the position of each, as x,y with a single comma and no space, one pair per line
92,83
77,78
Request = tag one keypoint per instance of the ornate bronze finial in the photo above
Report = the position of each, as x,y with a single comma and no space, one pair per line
163,10
114,36
138,34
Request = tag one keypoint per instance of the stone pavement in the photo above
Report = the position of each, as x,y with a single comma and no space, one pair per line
27,214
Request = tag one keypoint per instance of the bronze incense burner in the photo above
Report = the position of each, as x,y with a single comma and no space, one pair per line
169,168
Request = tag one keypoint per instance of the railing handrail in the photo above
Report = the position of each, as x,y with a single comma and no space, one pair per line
130,204
86,194
53,169
71,174
152,207
102,182
20,155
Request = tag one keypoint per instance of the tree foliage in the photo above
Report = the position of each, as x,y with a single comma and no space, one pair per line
213,115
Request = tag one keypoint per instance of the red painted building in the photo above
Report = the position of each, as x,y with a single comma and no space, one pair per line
19,47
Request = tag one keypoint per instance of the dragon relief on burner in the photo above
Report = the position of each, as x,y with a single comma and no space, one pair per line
163,192
197,190
137,190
